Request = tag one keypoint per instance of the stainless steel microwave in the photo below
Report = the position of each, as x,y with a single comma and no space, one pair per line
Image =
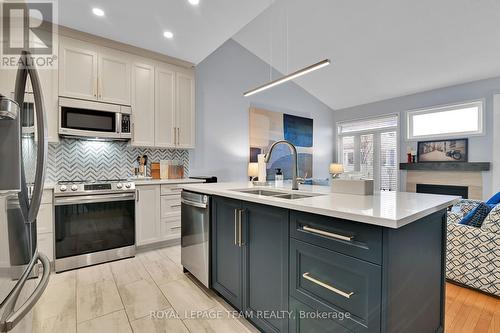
94,120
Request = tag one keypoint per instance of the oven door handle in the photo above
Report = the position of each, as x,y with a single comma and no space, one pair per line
86,199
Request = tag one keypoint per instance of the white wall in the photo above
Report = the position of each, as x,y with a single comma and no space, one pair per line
496,143
480,147
222,116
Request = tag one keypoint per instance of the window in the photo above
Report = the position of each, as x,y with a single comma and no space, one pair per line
446,121
369,148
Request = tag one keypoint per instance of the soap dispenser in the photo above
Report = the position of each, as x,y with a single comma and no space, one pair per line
278,178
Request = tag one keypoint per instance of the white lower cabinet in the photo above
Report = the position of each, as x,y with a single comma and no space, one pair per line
170,206
171,228
158,213
45,243
45,226
147,214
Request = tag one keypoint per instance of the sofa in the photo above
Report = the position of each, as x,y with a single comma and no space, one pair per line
473,253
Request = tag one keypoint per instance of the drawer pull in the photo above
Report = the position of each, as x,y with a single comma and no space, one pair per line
240,236
236,227
175,206
327,234
326,286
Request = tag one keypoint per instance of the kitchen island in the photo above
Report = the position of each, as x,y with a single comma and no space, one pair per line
315,261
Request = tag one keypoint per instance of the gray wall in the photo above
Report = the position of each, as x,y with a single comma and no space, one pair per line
480,147
222,118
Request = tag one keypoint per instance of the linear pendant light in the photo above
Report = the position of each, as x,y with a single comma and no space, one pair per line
289,77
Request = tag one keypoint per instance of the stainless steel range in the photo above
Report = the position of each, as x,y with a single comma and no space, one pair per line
94,222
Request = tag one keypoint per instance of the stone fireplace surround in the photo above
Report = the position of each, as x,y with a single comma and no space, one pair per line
469,175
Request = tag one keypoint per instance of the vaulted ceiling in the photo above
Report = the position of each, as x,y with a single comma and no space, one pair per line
379,49
198,30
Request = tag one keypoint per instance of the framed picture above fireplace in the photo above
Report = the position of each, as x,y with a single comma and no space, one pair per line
443,151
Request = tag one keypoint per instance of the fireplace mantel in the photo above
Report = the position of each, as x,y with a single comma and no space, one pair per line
446,166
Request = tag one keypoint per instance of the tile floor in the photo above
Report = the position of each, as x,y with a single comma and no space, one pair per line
119,297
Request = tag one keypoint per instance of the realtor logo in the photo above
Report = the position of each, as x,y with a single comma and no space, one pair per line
29,26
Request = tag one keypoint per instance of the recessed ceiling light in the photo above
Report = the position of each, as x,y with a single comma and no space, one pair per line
98,11
194,2
168,34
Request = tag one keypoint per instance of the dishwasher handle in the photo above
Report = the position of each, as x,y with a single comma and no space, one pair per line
194,204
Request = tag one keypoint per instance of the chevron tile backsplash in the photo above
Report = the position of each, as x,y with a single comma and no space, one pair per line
73,159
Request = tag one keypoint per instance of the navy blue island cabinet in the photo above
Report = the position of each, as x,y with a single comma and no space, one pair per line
291,271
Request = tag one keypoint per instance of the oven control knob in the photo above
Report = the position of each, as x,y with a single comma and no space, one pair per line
119,185
63,188
128,185
74,187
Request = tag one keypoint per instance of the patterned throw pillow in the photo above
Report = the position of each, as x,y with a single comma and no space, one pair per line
476,216
467,205
492,221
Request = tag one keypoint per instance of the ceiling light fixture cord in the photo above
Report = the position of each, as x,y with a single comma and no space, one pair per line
286,48
271,41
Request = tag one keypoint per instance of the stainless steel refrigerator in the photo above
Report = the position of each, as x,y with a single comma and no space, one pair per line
24,272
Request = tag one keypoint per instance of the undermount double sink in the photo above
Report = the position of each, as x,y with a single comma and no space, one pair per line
278,194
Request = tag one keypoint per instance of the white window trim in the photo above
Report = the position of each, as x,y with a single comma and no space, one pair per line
340,157
440,108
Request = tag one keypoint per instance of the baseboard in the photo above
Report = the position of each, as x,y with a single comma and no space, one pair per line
159,245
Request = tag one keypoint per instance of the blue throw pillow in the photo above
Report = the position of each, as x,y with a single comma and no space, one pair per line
494,200
476,216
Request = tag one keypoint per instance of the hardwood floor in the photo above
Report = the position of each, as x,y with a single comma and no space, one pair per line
470,311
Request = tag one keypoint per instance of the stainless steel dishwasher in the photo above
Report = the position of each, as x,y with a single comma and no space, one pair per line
195,235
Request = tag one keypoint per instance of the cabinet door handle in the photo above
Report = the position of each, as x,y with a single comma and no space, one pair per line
236,227
240,232
327,234
137,197
178,136
307,276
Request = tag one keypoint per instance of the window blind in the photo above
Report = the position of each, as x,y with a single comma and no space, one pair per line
369,147
367,125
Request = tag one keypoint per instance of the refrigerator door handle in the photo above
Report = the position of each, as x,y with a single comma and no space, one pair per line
31,207
14,318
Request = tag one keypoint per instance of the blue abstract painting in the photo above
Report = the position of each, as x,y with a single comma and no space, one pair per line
298,130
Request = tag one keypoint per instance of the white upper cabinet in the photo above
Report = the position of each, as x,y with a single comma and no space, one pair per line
143,104
114,77
165,107
185,110
89,72
77,69
49,84
161,94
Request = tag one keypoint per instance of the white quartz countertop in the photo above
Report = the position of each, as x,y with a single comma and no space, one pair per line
166,181
386,209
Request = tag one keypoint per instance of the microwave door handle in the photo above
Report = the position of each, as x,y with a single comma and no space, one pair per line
118,122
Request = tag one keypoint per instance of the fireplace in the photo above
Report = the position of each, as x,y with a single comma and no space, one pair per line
462,191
